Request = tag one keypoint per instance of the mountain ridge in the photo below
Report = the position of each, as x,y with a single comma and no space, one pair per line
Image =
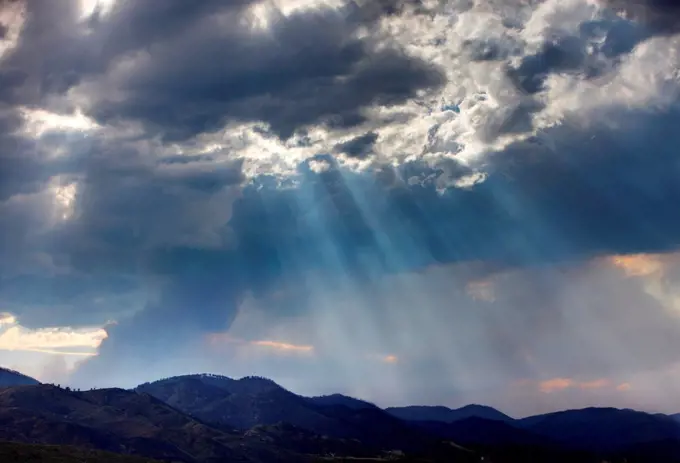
446,414
206,418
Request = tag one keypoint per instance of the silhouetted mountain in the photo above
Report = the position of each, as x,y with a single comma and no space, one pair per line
240,404
603,429
209,419
249,402
339,399
10,378
112,419
445,414
480,431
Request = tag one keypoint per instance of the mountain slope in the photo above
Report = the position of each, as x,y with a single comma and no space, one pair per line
240,404
10,378
109,419
445,414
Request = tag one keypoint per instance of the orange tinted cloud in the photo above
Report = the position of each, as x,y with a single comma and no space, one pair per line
555,384
216,339
623,387
283,346
389,358
597,384
560,384
638,265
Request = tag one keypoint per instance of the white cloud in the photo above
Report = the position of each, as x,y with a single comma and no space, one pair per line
60,340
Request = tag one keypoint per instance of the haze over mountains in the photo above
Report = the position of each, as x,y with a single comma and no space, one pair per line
308,189
408,201
210,418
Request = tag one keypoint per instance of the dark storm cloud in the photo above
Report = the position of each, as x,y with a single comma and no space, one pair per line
210,65
158,223
308,68
599,45
358,147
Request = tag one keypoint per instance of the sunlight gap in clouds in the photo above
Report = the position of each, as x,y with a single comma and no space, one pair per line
64,197
39,122
89,7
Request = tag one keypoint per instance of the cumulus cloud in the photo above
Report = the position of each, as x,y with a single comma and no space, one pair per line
166,163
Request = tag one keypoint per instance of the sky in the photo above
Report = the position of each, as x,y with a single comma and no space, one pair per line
408,201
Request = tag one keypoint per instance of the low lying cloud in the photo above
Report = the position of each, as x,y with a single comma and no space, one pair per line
623,387
58,341
560,384
276,347
282,346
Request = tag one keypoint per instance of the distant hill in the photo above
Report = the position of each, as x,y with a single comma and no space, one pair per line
603,429
445,414
480,431
339,399
10,378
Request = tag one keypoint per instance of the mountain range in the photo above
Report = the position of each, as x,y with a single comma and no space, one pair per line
212,418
